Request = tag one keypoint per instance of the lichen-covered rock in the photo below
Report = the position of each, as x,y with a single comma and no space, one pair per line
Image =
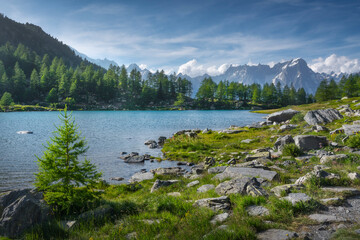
279,190
237,185
294,198
257,210
351,129
282,141
177,171
330,158
162,183
216,204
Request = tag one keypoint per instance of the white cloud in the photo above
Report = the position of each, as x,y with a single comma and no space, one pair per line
193,69
143,66
335,64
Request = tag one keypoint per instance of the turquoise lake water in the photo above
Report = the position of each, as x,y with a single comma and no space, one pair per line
108,133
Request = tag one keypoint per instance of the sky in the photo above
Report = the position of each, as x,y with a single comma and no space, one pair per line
196,37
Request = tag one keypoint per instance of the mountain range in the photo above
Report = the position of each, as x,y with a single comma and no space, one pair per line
295,72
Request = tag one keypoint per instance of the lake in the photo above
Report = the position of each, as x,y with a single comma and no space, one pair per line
108,133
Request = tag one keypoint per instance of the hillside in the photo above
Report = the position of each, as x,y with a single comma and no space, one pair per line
36,39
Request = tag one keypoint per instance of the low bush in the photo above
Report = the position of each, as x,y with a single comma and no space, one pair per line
297,118
353,141
291,150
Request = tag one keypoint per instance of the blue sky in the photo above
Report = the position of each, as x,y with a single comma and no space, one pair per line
195,37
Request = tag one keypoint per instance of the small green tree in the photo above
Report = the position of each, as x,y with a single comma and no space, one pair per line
67,182
6,99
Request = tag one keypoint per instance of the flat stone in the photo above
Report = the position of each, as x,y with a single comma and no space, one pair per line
205,188
276,234
219,169
257,210
325,218
215,204
135,159
287,188
140,176
354,176
174,194
177,171
294,198
162,183
236,172
287,127
228,131
330,158
282,116
327,200
350,190
219,218
247,141
193,183
351,129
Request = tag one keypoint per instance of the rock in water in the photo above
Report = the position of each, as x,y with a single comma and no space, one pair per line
24,132
282,116
322,116
21,210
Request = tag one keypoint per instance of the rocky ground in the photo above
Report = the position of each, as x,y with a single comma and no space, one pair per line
293,176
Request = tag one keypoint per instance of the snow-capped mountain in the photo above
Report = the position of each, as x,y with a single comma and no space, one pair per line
295,72
144,72
105,63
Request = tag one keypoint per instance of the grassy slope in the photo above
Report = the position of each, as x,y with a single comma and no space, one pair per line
178,219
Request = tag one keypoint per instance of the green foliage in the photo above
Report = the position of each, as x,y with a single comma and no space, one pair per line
291,150
66,181
6,99
297,118
173,205
353,141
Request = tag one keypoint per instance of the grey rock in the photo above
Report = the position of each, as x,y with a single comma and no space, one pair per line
135,159
21,210
237,185
174,194
351,129
209,161
351,191
325,218
287,188
149,142
219,218
282,116
255,190
236,172
354,176
191,134
257,210
177,171
258,155
294,198
205,188
206,130
161,140
231,161
117,178
228,131
330,158
198,169
318,128
247,141
322,116
24,132
276,234
216,204
317,174
193,183
140,176
257,163
282,141
310,142
162,183
288,127
327,200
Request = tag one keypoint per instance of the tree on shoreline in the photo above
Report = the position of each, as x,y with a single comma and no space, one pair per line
67,182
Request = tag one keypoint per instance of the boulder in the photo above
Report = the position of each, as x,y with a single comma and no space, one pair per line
24,132
330,158
310,142
198,169
351,129
219,218
141,176
282,141
318,128
216,204
177,171
257,210
21,210
236,172
276,234
288,127
205,188
257,163
149,142
117,178
161,140
237,185
294,198
279,190
317,173
322,116
354,176
282,115
193,183
162,183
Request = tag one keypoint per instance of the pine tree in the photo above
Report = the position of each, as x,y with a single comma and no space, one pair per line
67,182
6,99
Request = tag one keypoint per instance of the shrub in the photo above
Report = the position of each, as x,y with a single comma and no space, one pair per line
291,150
6,99
297,118
353,141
